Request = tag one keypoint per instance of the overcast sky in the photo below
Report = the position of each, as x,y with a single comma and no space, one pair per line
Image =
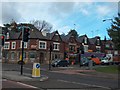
84,17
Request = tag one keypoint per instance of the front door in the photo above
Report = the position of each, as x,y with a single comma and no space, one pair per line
41,60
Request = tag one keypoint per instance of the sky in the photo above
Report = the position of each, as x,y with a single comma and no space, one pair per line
85,17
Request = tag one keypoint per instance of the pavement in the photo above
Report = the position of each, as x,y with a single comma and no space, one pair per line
16,76
74,69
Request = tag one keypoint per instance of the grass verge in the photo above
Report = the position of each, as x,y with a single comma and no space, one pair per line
108,69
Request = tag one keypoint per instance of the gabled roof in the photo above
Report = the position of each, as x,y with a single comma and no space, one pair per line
34,33
50,35
14,34
81,38
65,38
93,40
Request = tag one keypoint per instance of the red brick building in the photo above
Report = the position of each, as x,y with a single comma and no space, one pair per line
37,49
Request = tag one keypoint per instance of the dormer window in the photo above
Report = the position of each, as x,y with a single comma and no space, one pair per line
98,41
8,36
85,40
56,34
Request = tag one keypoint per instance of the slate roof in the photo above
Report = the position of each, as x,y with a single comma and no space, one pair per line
14,35
65,38
81,38
93,40
50,35
34,33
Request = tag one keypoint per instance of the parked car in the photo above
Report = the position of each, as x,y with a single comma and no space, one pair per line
106,61
55,60
85,62
60,63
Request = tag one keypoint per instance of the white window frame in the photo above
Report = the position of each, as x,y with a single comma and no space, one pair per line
13,47
58,46
8,35
115,52
85,40
107,45
98,41
85,48
25,44
42,42
8,45
98,48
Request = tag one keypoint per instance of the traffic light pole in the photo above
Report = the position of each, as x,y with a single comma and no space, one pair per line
22,51
22,58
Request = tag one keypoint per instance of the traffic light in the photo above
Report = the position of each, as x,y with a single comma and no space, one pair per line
3,40
26,34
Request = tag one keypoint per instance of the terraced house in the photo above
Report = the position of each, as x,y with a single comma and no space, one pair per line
37,49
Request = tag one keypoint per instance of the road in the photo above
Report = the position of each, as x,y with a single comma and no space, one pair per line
16,85
58,80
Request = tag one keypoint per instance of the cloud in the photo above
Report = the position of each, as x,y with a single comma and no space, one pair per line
9,12
64,29
84,11
61,9
103,10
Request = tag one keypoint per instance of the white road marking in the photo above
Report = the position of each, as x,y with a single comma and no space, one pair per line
27,68
65,67
3,79
27,85
31,69
85,84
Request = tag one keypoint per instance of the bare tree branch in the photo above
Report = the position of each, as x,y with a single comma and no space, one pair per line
42,25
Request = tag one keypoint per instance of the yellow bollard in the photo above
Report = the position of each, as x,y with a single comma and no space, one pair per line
36,70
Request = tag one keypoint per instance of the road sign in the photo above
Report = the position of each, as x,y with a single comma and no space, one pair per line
36,70
37,65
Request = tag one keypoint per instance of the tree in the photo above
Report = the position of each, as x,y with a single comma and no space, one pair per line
11,26
42,25
114,31
73,32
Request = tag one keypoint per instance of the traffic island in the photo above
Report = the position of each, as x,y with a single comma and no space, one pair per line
15,76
